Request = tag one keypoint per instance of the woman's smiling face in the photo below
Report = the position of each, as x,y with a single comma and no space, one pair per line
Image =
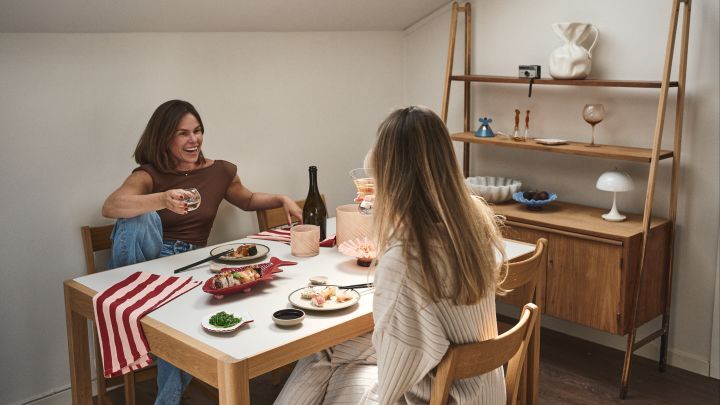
186,143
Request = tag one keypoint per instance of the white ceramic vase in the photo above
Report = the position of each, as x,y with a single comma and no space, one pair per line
572,61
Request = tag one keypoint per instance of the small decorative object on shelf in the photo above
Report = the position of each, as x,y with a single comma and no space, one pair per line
527,125
484,131
572,61
617,182
534,200
593,114
493,189
516,130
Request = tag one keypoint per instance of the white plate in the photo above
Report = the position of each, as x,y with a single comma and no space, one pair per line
550,141
330,305
262,251
245,319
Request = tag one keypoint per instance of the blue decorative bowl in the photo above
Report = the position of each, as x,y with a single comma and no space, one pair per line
533,205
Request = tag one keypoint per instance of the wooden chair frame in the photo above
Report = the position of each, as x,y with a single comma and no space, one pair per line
463,361
523,277
96,239
273,217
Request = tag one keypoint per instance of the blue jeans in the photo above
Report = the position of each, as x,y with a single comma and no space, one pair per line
135,240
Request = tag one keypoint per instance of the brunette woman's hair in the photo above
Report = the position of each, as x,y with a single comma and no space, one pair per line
449,237
154,144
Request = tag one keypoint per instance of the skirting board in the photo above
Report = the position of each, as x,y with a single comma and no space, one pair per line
62,397
676,358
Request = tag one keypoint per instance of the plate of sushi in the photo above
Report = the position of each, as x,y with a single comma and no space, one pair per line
231,280
323,298
242,252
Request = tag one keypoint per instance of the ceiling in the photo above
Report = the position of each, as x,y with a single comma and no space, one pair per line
94,16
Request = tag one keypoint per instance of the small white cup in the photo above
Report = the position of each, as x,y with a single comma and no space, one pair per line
305,240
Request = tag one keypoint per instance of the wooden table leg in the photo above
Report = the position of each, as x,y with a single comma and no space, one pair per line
233,381
79,352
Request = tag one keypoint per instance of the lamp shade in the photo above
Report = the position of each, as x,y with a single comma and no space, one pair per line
615,181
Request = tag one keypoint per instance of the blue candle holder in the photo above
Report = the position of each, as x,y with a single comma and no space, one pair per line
484,131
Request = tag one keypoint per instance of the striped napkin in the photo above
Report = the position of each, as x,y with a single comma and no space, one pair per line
283,235
118,311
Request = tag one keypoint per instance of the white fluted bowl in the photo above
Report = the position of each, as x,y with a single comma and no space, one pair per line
493,189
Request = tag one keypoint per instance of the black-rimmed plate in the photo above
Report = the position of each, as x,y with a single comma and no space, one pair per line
296,299
262,251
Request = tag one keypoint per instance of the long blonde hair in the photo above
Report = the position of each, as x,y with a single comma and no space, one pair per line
422,202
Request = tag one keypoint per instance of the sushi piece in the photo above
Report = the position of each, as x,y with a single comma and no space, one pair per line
343,297
328,292
317,300
307,293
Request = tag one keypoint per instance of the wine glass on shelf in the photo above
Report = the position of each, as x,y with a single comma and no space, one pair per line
593,114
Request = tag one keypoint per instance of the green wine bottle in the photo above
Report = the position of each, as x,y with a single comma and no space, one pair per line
314,211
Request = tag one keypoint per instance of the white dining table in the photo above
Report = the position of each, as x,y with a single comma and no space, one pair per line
229,361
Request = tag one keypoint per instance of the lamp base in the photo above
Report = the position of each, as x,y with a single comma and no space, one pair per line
613,217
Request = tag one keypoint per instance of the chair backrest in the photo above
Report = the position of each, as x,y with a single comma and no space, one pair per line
469,360
273,217
95,239
526,273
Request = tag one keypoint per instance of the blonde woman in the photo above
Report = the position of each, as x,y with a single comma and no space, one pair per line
434,282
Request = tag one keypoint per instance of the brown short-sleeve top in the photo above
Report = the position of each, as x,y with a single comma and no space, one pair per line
212,182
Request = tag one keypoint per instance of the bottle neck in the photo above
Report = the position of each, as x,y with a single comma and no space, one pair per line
313,181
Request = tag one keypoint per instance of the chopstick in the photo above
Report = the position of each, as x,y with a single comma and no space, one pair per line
207,259
354,286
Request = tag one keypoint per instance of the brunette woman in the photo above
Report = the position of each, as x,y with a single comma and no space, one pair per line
153,219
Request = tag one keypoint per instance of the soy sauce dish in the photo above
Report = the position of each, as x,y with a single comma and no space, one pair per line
288,317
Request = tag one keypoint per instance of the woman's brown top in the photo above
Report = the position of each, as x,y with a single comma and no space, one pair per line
212,182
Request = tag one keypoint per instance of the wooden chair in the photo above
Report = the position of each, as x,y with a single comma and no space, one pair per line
522,278
273,217
97,239
464,361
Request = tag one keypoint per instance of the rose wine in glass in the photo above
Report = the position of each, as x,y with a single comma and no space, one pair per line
193,202
593,114
365,185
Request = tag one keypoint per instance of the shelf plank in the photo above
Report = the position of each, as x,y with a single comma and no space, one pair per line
571,148
646,84
576,218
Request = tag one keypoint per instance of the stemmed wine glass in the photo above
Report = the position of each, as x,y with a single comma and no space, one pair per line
593,114
365,184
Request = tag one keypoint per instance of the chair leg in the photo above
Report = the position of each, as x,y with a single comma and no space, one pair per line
129,380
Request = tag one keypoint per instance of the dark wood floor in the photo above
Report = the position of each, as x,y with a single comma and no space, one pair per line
572,371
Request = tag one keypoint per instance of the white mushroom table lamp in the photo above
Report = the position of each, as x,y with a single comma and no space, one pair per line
617,182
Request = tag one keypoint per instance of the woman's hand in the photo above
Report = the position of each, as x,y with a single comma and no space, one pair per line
174,200
292,210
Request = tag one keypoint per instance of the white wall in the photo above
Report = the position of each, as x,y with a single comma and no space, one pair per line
631,46
72,108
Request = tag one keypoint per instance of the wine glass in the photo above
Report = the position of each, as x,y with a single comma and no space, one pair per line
593,114
365,184
193,201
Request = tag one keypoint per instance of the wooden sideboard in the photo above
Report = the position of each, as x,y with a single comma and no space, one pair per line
592,265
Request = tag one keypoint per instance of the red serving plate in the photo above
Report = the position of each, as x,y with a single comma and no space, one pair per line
268,273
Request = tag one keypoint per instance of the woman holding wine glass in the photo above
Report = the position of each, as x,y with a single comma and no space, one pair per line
435,279
168,204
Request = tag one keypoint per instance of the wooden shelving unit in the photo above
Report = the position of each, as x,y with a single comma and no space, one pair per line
610,276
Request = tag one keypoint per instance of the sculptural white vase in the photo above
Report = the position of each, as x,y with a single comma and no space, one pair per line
572,61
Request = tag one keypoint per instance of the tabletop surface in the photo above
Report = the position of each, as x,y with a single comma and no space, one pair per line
185,312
